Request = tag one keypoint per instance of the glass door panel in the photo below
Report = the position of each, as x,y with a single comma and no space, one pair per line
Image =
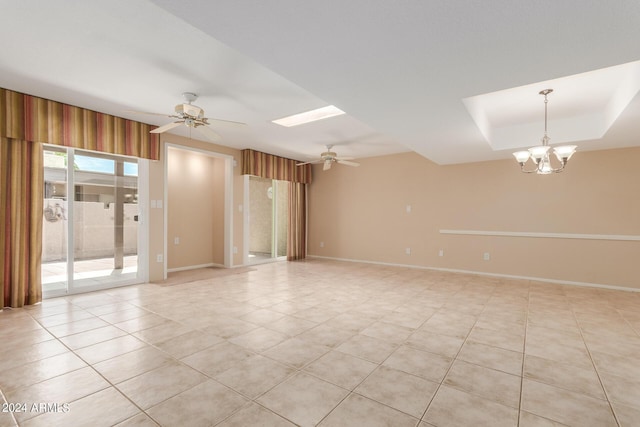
268,209
55,222
102,196
90,233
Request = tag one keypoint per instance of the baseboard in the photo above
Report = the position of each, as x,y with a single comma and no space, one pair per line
194,267
481,273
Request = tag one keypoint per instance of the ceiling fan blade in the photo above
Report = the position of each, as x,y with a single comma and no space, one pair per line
152,114
345,158
348,163
167,127
223,122
209,133
313,162
327,165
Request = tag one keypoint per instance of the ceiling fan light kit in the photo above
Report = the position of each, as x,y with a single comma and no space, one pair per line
539,155
328,158
192,117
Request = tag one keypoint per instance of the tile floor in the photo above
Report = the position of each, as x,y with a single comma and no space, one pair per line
326,343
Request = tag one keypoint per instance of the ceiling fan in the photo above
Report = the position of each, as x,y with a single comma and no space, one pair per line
191,116
329,157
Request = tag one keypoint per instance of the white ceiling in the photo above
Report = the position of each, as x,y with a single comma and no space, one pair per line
404,71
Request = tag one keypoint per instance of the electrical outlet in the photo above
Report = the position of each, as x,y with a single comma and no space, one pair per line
486,256
441,252
322,244
235,249
176,240
408,208
159,258
407,251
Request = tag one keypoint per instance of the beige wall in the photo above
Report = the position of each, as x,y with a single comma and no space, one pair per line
156,192
360,213
195,209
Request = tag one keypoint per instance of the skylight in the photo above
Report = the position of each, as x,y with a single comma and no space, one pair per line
309,116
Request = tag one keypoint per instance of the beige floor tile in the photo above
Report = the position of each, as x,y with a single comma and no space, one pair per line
162,332
326,335
77,327
205,404
625,390
357,410
530,420
262,316
485,382
445,410
388,332
27,338
500,339
104,408
303,399
106,350
563,375
350,322
12,357
407,393
94,336
189,343
296,352
65,317
291,326
228,327
406,320
255,415
560,353
155,386
626,415
316,314
129,365
492,357
341,369
123,315
6,419
435,343
430,366
140,420
254,375
624,366
368,348
259,339
140,323
217,359
61,389
338,318
40,370
565,406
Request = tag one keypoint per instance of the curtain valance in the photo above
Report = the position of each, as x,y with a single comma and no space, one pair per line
29,118
274,167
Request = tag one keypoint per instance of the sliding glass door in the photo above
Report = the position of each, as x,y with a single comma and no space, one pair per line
268,208
90,231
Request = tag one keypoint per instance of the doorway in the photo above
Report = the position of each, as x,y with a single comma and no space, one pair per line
198,214
91,229
268,216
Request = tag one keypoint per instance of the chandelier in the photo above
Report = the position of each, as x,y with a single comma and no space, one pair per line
540,154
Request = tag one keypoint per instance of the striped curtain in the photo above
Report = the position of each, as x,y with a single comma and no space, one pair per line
26,122
21,204
274,167
28,118
297,226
